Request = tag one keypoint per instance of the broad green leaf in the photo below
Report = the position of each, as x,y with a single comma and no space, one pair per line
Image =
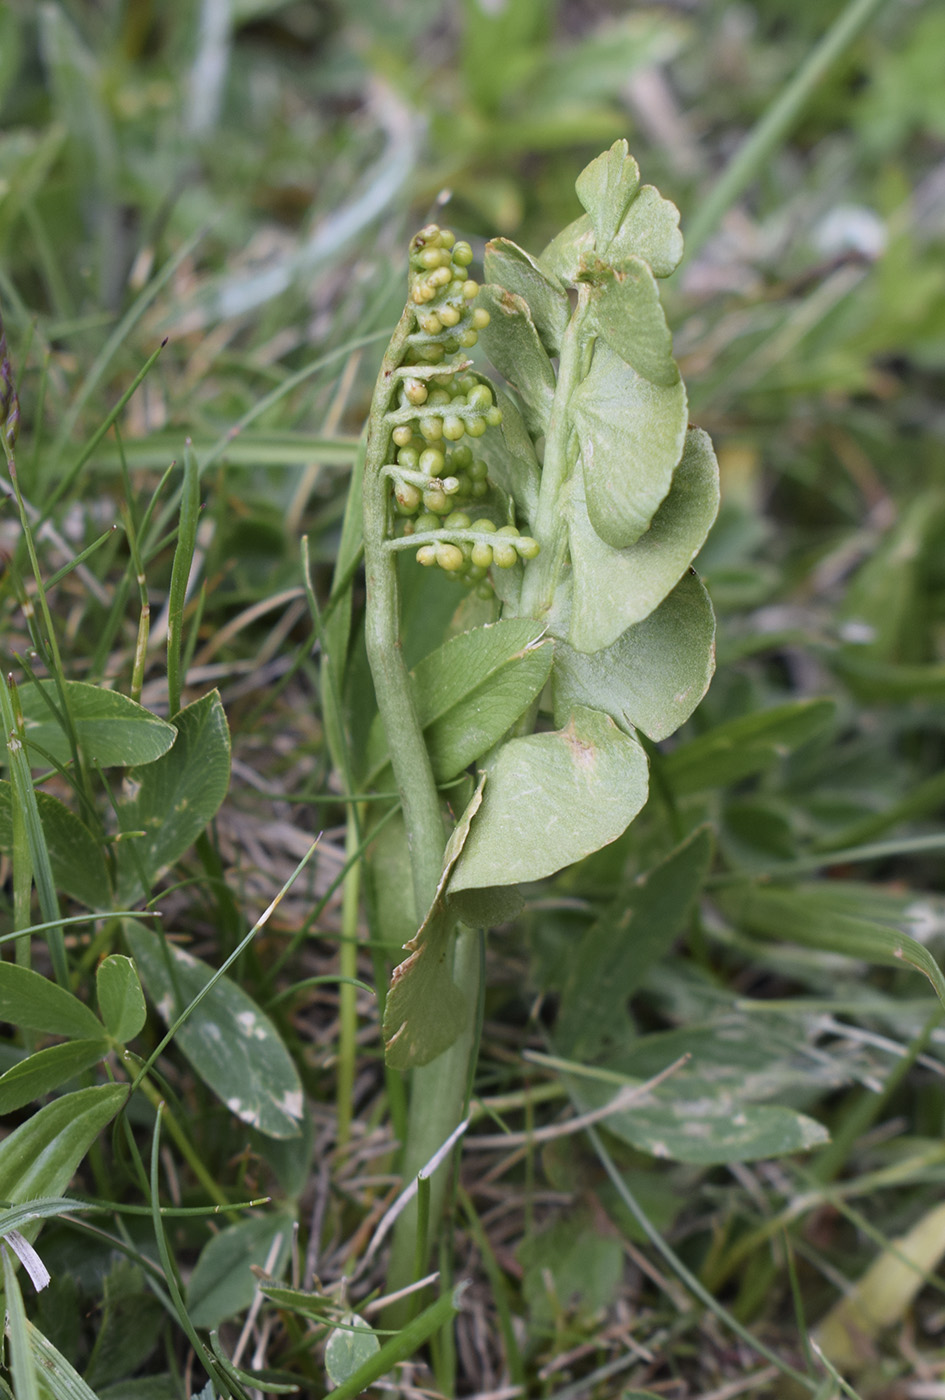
128,1326
632,433
47,1069
612,589
230,1043
78,865
402,1345
113,731
551,799
348,1349
648,230
508,266
471,690
222,1283
425,1011
746,745
803,915
175,797
512,342
713,1131
41,1156
120,998
484,908
614,955
651,678
607,188
33,1002
628,314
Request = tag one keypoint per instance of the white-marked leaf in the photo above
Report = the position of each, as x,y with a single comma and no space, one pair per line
175,797
347,1350
654,676
112,730
222,1283
470,691
120,998
78,864
229,1042
632,433
506,265
612,589
552,799
713,1108
512,342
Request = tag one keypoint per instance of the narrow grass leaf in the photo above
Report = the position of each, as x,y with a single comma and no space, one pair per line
749,744
22,1363
180,573
399,1348
76,857
230,1043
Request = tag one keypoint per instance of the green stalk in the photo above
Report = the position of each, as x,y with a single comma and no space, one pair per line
438,1090
758,147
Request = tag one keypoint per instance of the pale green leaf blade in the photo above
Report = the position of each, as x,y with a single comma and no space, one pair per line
470,690
510,456
745,745
629,315
653,677
231,1044
650,230
552,799
222,1283
34,1002
512,342
40,1157
348,1349
177,796
45,1070
709,1132
612,589
632,433
607,188
120,998
113,730
78,864
508,266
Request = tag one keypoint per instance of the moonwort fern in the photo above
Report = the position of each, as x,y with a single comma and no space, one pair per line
572,492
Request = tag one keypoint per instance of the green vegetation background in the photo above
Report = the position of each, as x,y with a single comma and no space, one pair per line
240,180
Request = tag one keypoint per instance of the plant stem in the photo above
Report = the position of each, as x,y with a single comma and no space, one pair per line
438,1090
758,147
